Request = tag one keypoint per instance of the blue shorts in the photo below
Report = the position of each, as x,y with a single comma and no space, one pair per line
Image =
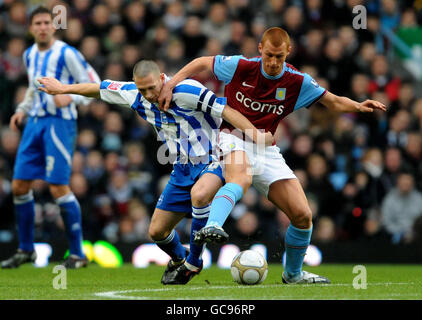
176,195
46,150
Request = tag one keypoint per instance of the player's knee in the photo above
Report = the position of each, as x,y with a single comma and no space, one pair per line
20,188
200,197
302,218
156,233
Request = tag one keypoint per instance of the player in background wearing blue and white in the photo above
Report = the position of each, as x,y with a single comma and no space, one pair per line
189,129
46,148
265,89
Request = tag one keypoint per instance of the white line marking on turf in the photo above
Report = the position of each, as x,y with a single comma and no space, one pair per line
120,294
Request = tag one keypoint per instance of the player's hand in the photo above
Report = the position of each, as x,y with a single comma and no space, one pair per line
371,105
51,85
269,139
16,120
165,97
62,100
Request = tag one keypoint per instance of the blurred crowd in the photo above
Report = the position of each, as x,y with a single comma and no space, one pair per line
362,173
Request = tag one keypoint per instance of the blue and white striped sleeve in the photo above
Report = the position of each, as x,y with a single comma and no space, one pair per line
79,68
191,94
81,71
118,92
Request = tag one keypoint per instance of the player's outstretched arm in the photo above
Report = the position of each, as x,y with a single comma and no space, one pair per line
344,104
53,86
194,67
239,121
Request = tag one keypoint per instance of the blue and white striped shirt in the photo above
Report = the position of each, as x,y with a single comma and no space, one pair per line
189,128
64,63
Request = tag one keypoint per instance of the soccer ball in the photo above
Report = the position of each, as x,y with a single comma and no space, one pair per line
249,267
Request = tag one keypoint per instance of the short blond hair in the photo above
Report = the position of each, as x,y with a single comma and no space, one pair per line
145,67
276,36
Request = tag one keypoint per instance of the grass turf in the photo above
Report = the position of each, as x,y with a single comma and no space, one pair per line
397,282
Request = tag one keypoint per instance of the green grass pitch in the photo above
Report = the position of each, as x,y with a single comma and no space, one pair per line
397,282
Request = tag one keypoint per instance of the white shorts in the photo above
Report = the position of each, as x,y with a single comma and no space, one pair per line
267,163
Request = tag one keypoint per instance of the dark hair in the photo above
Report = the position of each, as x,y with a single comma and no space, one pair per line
39,10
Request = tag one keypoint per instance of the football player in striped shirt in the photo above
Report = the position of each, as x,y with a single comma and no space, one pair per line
48,139
265,89
189,130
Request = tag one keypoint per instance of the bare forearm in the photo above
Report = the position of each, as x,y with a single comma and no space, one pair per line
194,67
344,104
239,121
84,89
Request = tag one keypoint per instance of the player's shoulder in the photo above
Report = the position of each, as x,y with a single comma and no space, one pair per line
187,86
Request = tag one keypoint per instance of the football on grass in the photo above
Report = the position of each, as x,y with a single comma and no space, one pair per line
249,267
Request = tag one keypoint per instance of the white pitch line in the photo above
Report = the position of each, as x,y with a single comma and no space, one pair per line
120,294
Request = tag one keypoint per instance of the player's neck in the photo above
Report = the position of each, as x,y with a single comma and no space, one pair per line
44,47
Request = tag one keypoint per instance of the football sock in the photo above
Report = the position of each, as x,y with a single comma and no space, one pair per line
172,246
223,203
71,214
296,243
199,219
25,214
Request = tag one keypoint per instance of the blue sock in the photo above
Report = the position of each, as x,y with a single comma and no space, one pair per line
199,219
296,243
172,246
25,215
223,203
71,213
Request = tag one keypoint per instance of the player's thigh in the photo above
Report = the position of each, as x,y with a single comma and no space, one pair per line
204,190
288,195
237,169
59,139
163,222
30,157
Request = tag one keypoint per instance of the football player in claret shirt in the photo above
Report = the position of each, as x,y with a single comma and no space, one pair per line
265,89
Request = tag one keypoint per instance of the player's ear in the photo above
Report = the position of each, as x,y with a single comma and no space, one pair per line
289,49
260,48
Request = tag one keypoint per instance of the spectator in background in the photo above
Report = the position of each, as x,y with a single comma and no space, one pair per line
155,9
382,79
99,24
91,49
216,25
320,186
400,209
301,148
174,19
115,39
134,21
11,61
398,127
193,38
74,32
238,33
81,10
198,8
16,21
